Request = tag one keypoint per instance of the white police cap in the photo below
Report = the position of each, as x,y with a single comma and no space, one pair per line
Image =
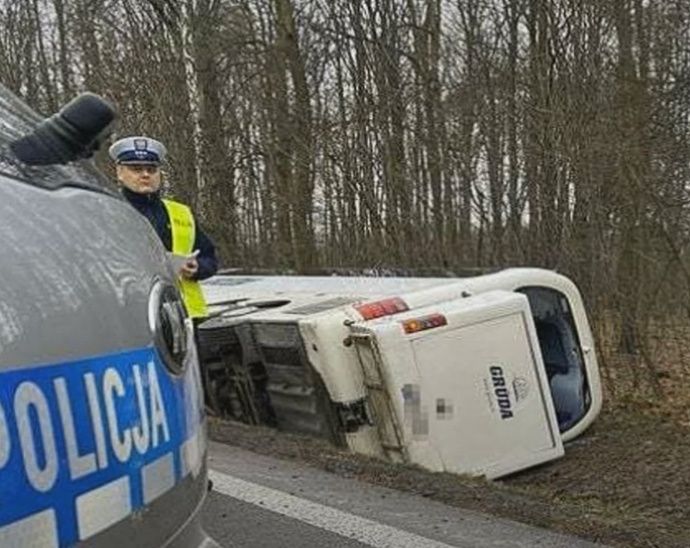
137,150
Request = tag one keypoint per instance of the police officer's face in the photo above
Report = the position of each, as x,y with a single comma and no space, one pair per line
143,179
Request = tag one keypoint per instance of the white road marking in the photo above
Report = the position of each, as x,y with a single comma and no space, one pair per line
330,519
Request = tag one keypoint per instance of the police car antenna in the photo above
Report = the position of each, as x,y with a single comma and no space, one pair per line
75,132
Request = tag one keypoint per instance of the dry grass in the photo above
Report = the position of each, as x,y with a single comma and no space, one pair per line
654,382
626,482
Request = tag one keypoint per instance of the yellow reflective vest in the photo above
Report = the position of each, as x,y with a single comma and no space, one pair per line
183,233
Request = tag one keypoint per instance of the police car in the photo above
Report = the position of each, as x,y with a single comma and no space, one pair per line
102,431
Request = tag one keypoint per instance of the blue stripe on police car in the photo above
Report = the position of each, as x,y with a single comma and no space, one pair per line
90,441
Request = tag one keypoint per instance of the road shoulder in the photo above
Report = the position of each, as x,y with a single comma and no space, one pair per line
272,482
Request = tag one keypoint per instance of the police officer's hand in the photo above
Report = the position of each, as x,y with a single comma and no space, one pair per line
189,269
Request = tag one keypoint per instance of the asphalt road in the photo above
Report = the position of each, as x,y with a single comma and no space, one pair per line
259,501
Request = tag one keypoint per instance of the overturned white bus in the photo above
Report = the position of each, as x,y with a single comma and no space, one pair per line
485,375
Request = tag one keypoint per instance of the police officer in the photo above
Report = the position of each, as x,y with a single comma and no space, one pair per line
138,161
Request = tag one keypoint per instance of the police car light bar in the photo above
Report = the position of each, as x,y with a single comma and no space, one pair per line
384,307
415,325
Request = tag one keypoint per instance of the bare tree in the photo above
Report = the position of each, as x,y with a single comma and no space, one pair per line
423,133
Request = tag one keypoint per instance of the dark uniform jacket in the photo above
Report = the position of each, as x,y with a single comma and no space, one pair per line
151,206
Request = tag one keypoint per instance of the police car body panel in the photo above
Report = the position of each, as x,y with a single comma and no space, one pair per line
100,442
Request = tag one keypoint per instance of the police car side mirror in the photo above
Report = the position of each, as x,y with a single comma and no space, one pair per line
75,132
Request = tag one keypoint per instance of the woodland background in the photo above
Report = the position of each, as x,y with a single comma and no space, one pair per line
430,135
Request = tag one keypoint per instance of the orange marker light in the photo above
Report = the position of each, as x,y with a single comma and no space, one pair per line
385,307
415,325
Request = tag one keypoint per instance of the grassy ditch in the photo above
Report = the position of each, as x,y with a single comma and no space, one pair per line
626,482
